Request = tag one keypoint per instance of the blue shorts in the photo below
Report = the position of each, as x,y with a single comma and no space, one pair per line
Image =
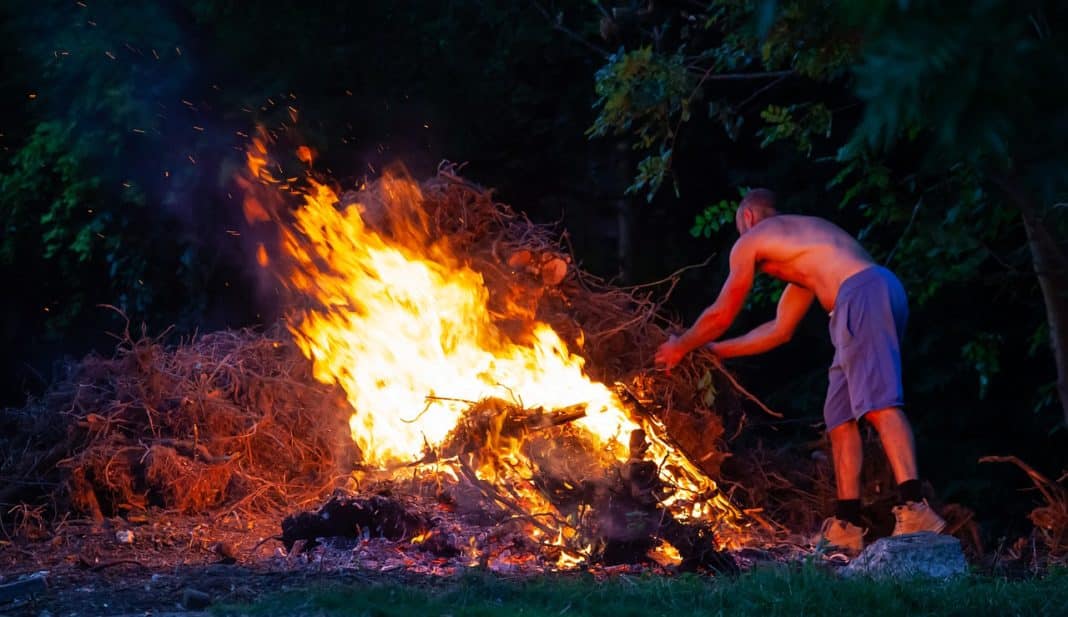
867,324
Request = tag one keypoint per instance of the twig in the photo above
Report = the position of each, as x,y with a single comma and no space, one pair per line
912,219
708,76
119,562
759,91
1049,490
718,364
671,278
557,24
490,493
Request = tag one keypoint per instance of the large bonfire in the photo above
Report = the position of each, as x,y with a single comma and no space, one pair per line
462,348
455,373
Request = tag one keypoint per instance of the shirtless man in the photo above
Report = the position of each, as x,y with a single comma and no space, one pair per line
868,311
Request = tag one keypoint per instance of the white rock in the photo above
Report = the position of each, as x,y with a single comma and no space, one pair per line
922,555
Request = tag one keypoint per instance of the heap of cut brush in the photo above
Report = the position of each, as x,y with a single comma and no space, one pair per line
235,420
229,419
530,272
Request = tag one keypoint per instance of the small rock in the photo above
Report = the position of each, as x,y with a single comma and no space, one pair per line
923,555
194,599
225,551
124,536
27,586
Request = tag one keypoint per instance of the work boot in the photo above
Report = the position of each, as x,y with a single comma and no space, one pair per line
917,516
841,535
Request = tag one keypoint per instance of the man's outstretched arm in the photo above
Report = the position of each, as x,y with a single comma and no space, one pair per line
715,319
793,305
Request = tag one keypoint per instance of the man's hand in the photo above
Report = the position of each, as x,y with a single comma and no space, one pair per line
669,353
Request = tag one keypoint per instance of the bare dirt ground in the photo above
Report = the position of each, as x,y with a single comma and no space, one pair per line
164,563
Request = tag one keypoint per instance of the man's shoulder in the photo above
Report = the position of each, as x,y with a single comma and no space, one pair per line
800,219
793,225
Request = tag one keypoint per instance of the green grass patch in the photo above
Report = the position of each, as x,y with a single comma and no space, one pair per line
766,592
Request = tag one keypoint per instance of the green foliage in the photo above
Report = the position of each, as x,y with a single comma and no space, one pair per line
713,218
799,124
707,387
57,207
953,70
74,193
641,94
766,292
647,93
809,37
651,172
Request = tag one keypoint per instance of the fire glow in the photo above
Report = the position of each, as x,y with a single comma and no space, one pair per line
402,324
410,340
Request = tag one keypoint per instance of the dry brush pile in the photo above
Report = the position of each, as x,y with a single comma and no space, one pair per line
234,419
229,418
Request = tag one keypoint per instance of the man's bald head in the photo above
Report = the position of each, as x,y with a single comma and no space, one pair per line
757,205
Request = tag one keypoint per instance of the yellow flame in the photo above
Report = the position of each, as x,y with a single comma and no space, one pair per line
665,554
403,327
401,323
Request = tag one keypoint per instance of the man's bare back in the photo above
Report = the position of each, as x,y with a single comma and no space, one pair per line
807,251
812,254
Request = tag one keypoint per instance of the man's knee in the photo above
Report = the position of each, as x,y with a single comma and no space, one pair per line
845,430
878,417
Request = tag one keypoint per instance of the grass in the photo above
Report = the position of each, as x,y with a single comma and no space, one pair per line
804,590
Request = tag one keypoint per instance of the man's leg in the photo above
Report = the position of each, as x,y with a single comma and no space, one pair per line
895,433
848,453
844,530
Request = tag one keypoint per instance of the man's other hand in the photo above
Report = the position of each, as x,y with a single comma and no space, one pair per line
669,353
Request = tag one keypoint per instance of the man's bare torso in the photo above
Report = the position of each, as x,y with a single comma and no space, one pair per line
807,251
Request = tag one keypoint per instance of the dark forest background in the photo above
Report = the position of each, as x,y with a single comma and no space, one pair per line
934,131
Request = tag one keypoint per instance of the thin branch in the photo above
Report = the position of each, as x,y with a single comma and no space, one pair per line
759,91
558,25
1052,492
671,278
708,76
912,219
718,364
492,494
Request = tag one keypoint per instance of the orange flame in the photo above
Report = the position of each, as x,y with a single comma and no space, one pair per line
261,256
401,323
399,320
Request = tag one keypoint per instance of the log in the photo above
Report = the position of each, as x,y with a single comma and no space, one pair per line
347,517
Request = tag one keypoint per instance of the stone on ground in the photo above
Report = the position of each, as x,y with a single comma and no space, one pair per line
923,555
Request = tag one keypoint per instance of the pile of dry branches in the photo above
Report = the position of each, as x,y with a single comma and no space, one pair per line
530,271
231,418
235,419
1049,539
